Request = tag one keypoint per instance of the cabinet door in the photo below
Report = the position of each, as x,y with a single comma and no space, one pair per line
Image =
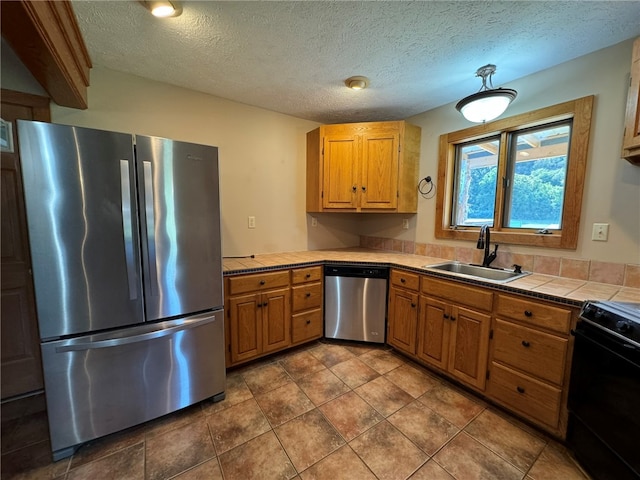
379,171
403,319
276,320
340,185
631,141
245,325
434,331
469,347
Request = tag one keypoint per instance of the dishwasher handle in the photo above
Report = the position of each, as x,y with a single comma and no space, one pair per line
358,271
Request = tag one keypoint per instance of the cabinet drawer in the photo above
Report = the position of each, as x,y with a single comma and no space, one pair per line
525,394
535,352
403,279
306,326
257,282
534,313
458,293
306,296
309,274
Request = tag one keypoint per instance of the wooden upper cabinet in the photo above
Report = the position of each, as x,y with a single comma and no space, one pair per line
631,140
363,167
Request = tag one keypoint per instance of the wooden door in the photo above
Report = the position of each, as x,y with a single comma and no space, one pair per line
340,173
469,346
379,170
403,319
245,325
20,355
434,327
276,320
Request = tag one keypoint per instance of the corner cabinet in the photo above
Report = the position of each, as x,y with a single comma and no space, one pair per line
631,139
363,167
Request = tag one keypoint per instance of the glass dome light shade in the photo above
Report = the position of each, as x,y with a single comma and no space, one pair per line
486,105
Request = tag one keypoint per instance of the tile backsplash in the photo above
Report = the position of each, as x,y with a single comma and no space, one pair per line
627,275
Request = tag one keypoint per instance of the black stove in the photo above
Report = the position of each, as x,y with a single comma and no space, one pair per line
604,391
619,318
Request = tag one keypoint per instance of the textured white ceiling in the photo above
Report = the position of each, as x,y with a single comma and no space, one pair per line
293,57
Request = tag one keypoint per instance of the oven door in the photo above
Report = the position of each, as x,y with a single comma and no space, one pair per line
604,399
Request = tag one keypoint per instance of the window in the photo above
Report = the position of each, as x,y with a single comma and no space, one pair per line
522,175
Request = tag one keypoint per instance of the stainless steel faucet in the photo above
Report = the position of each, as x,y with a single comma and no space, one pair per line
483,242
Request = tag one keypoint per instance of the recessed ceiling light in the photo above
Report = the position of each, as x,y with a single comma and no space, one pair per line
164,9
357,83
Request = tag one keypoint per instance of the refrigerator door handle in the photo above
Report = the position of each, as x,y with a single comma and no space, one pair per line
151,226
127,228
195,321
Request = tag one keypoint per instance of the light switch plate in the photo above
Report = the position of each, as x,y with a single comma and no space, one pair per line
600,232
405,223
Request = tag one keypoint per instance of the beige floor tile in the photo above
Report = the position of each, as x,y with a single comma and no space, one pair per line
331,355
178,450
284,403
322,386
350,415
209,470
384,396
104,446
507,440
388,453
423,426
452,405
308,438
354,373
413,381
553,463
261,457
301,365
343,464
431,471
265,378
235,392
125,464
236,425
172,421
467,459
382,361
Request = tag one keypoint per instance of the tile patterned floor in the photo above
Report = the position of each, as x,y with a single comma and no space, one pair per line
327,411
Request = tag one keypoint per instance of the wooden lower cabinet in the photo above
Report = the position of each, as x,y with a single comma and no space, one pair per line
403,319
307,321
454,339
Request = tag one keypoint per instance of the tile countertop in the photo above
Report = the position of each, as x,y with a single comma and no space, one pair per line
559,289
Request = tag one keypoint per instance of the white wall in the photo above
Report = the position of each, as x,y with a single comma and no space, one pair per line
612,190
262,157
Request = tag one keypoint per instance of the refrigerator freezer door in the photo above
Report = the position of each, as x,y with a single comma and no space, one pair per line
180,215
99,384
80,194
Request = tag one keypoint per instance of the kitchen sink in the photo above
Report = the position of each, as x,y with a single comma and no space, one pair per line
477,272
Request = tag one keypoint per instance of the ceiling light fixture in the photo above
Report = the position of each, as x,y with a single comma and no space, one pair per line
487,103
164,9
357,83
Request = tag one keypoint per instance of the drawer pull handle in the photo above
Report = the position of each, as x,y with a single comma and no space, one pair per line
528,313
262,282
402,280
308,294
525,343
520,389
308,322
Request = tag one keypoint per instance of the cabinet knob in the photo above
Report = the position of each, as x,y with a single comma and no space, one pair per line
525,343
354,188
446,316
308,294
453,319
364,189
402,280
520,389
262,282
265,304
413,305
308,321
308,275
528,313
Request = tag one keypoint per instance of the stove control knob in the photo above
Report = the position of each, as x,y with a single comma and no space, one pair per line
623,327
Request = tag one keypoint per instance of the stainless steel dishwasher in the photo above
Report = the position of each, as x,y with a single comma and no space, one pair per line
355,302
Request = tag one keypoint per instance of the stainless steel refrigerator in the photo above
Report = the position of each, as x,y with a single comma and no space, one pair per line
124,234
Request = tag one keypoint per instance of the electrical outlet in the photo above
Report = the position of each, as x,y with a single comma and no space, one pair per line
252,222
314,222
405,223
600,232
